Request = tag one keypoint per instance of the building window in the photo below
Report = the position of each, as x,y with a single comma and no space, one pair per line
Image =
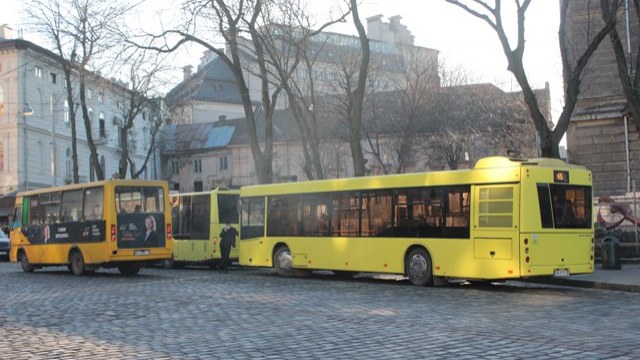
176,186
197,166
38,72
89,93
1,101
224,165
1,156
118,105
66,112
175,168
101,125
197,185
100,97
68,166
53,78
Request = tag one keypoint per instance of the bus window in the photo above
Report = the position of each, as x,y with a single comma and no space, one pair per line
315,214
71,208
345,219
376,213
252,218
17,216
457,212
93,200
284,216
228,208
130,200
571,206
200,216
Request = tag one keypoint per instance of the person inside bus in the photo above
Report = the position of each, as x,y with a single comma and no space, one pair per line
150,237
227,240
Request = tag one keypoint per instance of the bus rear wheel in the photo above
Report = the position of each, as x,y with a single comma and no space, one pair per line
76,263
128,269
418,267
24,261
282,261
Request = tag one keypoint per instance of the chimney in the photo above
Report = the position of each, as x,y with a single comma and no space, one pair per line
186,71
6,32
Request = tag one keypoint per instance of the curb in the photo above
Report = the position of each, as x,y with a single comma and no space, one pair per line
588,284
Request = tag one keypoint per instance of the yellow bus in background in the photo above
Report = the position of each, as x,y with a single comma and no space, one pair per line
197,221
111,223
503,219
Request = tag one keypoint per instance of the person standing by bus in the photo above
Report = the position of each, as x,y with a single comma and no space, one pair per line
227,240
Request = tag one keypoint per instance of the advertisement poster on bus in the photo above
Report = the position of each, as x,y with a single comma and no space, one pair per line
141,230
64,233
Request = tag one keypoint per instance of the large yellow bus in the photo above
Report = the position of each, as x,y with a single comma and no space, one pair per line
197,221
111,223
503,219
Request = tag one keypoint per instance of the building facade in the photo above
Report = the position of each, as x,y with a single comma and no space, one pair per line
35,129
601,135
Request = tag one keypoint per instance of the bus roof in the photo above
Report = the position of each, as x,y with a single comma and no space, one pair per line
114,182
491,170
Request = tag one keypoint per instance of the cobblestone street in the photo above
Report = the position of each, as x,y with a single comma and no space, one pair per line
254,314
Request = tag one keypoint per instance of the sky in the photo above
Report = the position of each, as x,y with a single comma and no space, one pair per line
462,39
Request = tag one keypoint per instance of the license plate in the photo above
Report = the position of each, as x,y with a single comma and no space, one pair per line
561,273
141,252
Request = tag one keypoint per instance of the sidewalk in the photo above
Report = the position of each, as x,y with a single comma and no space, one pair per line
626,279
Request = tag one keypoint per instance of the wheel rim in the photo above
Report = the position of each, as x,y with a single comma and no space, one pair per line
284,260
418,267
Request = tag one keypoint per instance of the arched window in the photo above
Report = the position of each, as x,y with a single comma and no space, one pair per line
1,156
67,173
101,125
103,166
41,161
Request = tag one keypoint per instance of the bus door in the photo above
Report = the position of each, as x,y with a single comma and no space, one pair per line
495,231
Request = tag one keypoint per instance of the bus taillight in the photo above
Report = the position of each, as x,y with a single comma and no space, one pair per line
169,231
113,232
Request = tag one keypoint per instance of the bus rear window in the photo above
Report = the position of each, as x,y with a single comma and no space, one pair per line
571,206
142,200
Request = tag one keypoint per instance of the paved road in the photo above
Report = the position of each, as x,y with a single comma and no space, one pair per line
254,314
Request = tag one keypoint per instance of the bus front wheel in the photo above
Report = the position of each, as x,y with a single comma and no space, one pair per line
24,261
282,261
76,262
418,267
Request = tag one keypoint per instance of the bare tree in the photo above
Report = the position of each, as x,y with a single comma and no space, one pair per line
412,80
287,39
79,30
356,97
230,20
143,70
572,72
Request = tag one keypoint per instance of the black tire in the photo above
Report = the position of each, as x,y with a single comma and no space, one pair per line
76,262
24,261
128,269
168,263
283,262
418,268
